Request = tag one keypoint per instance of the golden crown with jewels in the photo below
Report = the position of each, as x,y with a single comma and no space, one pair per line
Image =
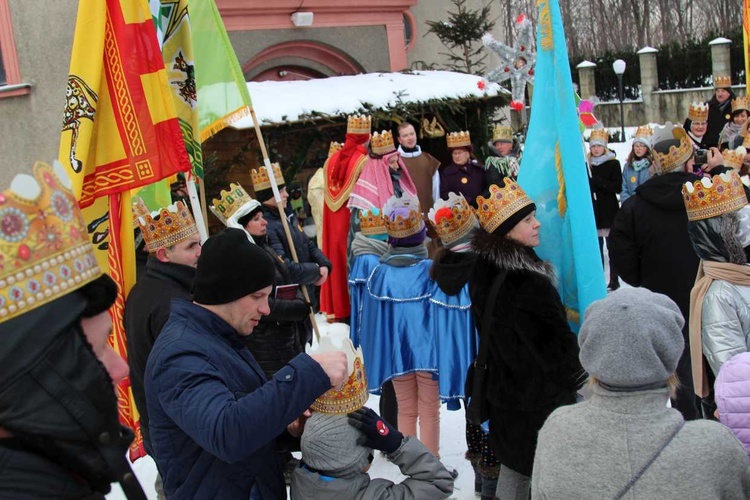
139,208
698,112
643,132
721,194
230,202
722,81
45,251
458,139
734,158
382,144
741,103
502,203
399,226
334,147
599,135
452,218
358,124
502,133
167,226
677,156
372,222
260,177
352,395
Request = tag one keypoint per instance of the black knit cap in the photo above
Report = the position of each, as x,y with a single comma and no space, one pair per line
230,267
509,223
266,194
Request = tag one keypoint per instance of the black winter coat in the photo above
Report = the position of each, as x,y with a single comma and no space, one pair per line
533,354
650,247
606,184
311,258
146,313
281,335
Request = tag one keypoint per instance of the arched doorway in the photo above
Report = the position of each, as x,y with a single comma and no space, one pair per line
299,60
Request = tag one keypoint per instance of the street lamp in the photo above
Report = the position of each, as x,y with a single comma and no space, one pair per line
619,67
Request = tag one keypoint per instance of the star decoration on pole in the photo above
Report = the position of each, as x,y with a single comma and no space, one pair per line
517,62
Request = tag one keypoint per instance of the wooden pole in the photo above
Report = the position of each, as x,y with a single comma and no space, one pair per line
282,213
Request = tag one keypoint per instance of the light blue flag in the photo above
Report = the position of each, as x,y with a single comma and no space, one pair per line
553,173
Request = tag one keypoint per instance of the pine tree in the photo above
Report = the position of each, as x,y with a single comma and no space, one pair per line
462,34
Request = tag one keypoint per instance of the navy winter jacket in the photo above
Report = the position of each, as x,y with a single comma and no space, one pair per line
214,418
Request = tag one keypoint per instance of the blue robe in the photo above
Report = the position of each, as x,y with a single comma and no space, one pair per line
362,266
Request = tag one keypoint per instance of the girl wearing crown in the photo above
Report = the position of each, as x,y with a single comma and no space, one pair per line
637,169
740,110
606,183
532,353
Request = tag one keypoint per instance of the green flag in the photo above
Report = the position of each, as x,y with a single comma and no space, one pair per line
222,91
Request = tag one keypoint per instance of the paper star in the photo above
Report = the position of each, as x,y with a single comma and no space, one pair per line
517,62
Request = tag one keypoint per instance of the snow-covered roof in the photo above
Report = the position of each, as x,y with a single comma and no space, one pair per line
647,50
286,102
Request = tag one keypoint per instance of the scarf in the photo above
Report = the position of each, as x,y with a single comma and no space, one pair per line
598,160
729,132
362,245
404,256
375,186
640,164
708,272
410,152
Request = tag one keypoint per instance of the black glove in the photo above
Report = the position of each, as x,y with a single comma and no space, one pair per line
376,433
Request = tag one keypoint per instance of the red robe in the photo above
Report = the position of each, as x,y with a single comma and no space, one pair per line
342,170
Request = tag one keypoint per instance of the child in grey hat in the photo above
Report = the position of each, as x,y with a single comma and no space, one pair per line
337,452
624,441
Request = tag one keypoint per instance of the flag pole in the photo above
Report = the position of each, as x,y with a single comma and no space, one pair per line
282,214
198,215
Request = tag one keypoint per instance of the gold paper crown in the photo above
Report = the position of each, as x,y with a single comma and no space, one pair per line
677,155
741,103
698,112
599,134
372,222
167,226
722,81
230,202
335,146
353,394
382,143
458,140
734,158
358,124
456,216
261,180
399,226
501,204
139,208
45,251
643,132
502,133
746,142
721,194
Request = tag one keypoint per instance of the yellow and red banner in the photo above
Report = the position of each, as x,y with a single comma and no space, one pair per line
120,131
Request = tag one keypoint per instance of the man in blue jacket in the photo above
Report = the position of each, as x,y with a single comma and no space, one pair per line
214,417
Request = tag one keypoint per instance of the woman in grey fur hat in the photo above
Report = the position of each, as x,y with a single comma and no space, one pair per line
625,442
533,355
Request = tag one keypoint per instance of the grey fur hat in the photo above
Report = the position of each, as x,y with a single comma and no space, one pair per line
632,339
329,445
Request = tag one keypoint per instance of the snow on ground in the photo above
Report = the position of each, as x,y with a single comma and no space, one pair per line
284,102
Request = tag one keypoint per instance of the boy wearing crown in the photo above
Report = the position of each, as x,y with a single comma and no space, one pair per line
214,415
504,156
174,246
649,242
312,266
342,170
